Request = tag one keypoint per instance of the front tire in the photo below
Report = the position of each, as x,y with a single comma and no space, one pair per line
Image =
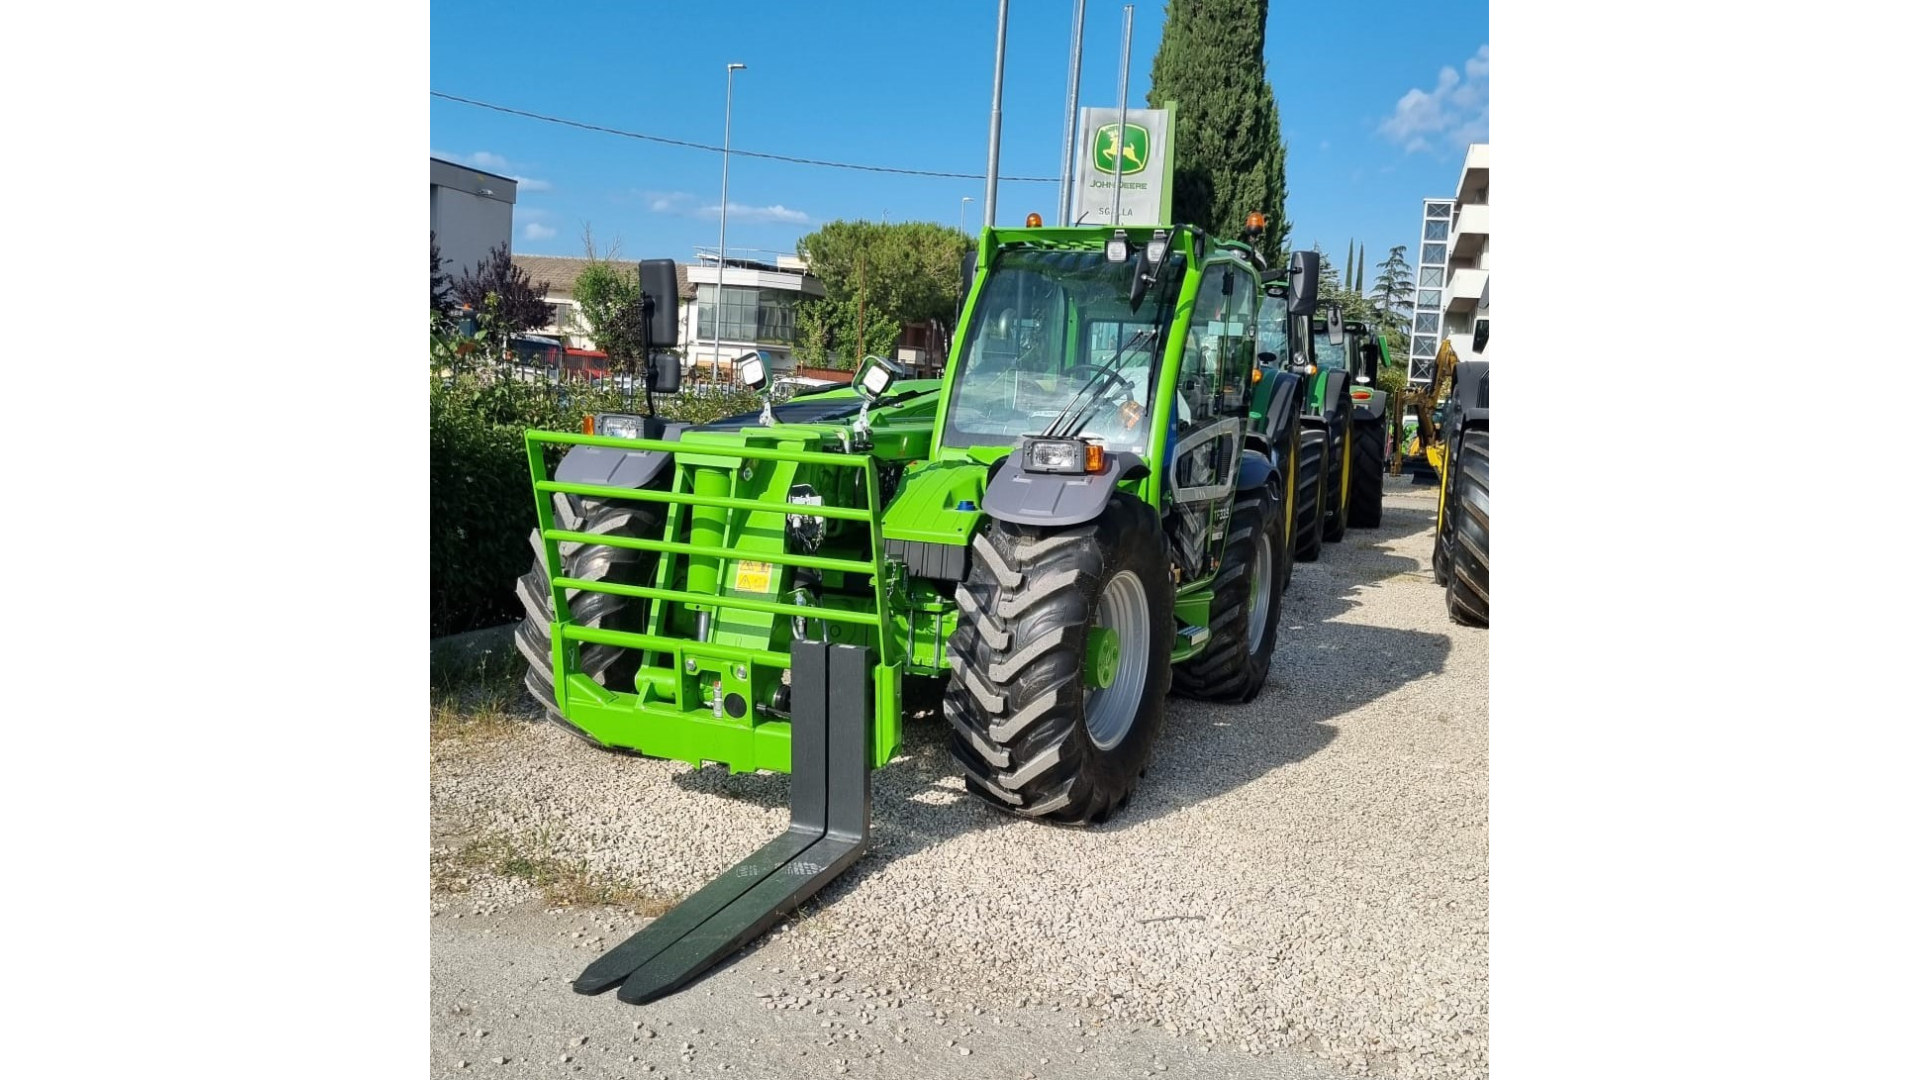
1246,606
1468,580
1339,466
1309,485
609,665
1369,473
1030,736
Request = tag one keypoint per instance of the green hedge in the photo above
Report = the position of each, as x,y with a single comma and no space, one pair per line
481,496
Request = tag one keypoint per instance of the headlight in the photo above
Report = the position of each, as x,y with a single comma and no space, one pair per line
1063,456
618,427
753,372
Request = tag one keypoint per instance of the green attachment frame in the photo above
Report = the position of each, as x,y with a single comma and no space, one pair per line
666,715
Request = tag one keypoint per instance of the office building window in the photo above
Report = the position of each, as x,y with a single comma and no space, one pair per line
749,314
1431,277
1436,230
1433,253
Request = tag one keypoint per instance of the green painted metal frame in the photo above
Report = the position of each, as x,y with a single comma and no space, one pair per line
709,453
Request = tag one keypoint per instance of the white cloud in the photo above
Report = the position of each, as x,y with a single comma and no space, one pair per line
666,202
1452,114
537,231
529,184
756,214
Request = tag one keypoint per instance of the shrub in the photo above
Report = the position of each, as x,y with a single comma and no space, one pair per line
481,496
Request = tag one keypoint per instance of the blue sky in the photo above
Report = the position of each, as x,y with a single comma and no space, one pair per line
1377,102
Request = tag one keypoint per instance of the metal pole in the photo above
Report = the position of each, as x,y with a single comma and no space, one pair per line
1067,158
720,272
993,140
1120,140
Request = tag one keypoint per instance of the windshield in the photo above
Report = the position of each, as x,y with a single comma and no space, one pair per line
1329,356
1044,326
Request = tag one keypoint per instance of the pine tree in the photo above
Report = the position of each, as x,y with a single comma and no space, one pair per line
1231,161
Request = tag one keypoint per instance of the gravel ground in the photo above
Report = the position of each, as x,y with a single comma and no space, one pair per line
1302,878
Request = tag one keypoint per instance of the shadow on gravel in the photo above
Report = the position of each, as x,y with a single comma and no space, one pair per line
1325,666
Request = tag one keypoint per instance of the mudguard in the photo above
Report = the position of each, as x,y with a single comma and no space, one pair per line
1255,469
1282,404
1026,498
609,467
1335,393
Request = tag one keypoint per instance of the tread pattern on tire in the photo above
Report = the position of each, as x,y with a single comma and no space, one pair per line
608,665
1310,483
1368,487
1224,670
1014,695
1335,497
1467,582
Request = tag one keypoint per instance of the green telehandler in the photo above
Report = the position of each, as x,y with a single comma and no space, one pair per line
1089,510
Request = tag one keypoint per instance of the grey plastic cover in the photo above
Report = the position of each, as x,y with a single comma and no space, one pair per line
612,467
1052,498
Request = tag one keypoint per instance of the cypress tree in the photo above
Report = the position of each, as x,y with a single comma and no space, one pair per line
1231,161
1346,279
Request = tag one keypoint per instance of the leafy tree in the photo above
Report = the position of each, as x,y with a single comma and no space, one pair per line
442,286
1393,289
609,300
838,334
517,304
908,270
1232,162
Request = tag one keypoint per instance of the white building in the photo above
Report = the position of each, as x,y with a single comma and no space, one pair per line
1468,247
757,312
559,272
472,213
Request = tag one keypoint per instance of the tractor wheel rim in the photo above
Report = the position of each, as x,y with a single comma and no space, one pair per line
1261,573
1123,609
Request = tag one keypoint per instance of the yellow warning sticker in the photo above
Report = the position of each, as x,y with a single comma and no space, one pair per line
753,577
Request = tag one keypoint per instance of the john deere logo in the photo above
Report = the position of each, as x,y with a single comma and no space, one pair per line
1133,153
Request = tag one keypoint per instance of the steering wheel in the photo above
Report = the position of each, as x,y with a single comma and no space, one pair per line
1090,369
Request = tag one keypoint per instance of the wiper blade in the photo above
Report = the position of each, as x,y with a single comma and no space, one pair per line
1081,402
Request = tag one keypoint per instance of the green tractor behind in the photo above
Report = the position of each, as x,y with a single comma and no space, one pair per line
1461,543
1089,510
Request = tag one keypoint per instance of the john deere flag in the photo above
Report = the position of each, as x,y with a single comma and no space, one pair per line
1145,156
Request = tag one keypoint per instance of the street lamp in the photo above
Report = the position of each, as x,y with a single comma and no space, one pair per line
720,272
964,200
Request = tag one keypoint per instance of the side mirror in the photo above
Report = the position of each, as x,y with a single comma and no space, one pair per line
1336,332
1142,277
1303,283
660,284
663,374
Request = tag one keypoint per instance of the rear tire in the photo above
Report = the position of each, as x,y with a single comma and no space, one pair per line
1369,473
1468,584
1309,486
1031,739
1246,606
609,665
